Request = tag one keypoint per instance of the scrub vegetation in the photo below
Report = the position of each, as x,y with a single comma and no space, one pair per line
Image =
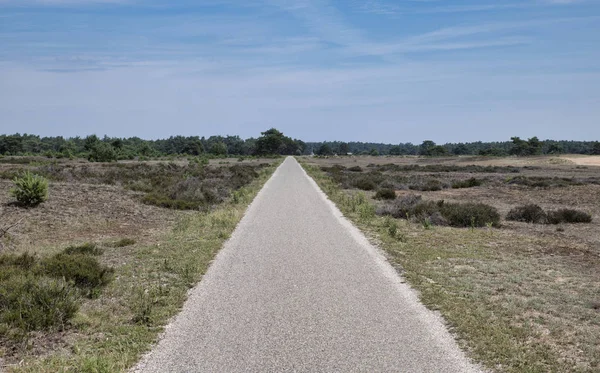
512,266
89,277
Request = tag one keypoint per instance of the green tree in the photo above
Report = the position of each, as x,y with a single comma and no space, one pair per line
90,142
426,147
555,149
325,149
395,150
219,148
595,148
344,149
102,152
461,149
270,142
437,151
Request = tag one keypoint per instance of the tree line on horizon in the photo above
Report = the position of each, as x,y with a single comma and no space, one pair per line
271,142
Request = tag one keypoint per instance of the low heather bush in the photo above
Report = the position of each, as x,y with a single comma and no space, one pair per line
470,214
83,271
440,213
365,184
472,182
31,302
428,186
528,213
385,194
568,216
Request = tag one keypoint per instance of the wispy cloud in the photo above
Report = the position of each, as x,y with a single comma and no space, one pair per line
303,65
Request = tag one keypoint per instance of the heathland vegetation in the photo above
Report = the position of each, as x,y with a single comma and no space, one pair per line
506,249
95,257
100,239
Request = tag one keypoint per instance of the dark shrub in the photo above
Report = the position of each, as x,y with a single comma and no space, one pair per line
528,213
429,186
401,207
86,249
437,219
365,184
568,216
355,169
425,209
385,194
82,270
472,182
470,214
166,202
33,302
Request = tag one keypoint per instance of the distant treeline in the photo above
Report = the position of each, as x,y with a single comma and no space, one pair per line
271,142
516,146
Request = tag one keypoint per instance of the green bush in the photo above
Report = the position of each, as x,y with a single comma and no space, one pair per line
86,249
30,189
83,271
568,216
23,262
355,169
385,194
529,213
472,182
33,302
470,214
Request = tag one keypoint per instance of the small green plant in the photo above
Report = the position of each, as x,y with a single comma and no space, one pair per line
427,223
83,271
141,306
393,229
123,242
366,211
30,189
86,249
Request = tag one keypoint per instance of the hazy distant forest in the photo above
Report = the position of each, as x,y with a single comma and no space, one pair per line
271,142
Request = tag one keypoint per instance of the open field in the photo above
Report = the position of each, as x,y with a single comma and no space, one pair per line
153,226
520,297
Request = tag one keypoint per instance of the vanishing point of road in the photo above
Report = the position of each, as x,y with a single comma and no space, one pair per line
297,288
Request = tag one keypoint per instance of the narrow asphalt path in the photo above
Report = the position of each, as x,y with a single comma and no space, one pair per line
298,289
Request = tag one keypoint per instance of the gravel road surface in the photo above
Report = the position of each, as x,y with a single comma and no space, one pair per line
299,289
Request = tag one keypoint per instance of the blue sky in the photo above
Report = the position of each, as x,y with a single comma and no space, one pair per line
371,70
